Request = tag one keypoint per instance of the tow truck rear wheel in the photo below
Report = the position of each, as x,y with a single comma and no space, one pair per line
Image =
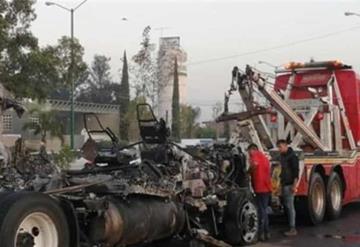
30,219
316,199
334,195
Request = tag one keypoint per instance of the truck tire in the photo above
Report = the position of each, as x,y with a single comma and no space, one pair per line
334,195
316,199
32,219
241,222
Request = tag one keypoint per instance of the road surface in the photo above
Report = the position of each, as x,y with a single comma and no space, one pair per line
344,232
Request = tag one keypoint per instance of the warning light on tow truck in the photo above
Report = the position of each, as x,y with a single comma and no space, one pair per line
331,64
294,65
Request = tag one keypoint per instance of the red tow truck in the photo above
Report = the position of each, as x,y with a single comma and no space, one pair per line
316,107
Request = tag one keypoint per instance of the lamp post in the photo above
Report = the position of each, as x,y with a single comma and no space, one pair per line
268,64
71,69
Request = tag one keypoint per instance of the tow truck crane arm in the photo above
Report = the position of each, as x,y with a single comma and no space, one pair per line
242,115
250,78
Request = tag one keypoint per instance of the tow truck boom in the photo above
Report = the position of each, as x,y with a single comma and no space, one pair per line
252,76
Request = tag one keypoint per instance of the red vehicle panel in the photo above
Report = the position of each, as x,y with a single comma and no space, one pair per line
349,85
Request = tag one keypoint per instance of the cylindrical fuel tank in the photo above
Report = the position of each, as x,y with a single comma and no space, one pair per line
139,219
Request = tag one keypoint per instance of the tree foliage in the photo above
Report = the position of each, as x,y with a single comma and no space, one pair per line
63,53
99,86
62,56
205,132
188,117
65,156
25,69
100,71
124,99
47,124
175,123
37,78
145,80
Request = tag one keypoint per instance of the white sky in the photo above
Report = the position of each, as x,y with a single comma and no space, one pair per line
208,30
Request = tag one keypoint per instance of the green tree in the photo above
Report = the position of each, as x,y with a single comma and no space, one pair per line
205,132
47,124
100,71
124,99
65,156
175,123
188,117
25,69
38,78
145,81
61,53
99,87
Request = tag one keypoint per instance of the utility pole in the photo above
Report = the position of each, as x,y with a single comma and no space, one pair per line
71,69
71,76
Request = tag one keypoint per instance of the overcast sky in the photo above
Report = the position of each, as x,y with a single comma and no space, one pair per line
212,33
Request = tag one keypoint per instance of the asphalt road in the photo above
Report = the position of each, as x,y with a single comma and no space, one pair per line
342,232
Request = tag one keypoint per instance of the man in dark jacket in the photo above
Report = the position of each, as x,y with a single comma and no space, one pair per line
289,182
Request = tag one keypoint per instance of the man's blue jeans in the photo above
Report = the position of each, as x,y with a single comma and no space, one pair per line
288,202
262,201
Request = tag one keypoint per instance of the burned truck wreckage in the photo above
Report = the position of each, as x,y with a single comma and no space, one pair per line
150,193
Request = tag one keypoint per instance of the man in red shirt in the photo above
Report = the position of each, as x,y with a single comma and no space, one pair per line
261,182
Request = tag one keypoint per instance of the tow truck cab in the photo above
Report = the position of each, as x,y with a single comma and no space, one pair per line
313,80
326,96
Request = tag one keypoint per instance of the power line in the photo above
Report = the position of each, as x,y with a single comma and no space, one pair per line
323,36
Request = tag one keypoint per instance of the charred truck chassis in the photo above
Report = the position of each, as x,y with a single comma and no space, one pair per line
168,195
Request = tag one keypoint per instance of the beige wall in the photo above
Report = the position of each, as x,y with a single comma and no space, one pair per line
9,140
107,120
54,144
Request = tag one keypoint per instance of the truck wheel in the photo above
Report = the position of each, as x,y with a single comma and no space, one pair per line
30,219
241,219
334,194
316,199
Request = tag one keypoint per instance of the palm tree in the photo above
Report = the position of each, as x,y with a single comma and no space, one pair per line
47,124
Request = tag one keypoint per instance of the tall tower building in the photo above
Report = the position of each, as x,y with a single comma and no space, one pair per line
170,48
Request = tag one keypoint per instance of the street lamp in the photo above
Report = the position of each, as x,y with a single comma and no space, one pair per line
71,69
351,13
268,64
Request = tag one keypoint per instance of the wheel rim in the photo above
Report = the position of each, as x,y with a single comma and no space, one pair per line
37,230
249,222
318,200
335,193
